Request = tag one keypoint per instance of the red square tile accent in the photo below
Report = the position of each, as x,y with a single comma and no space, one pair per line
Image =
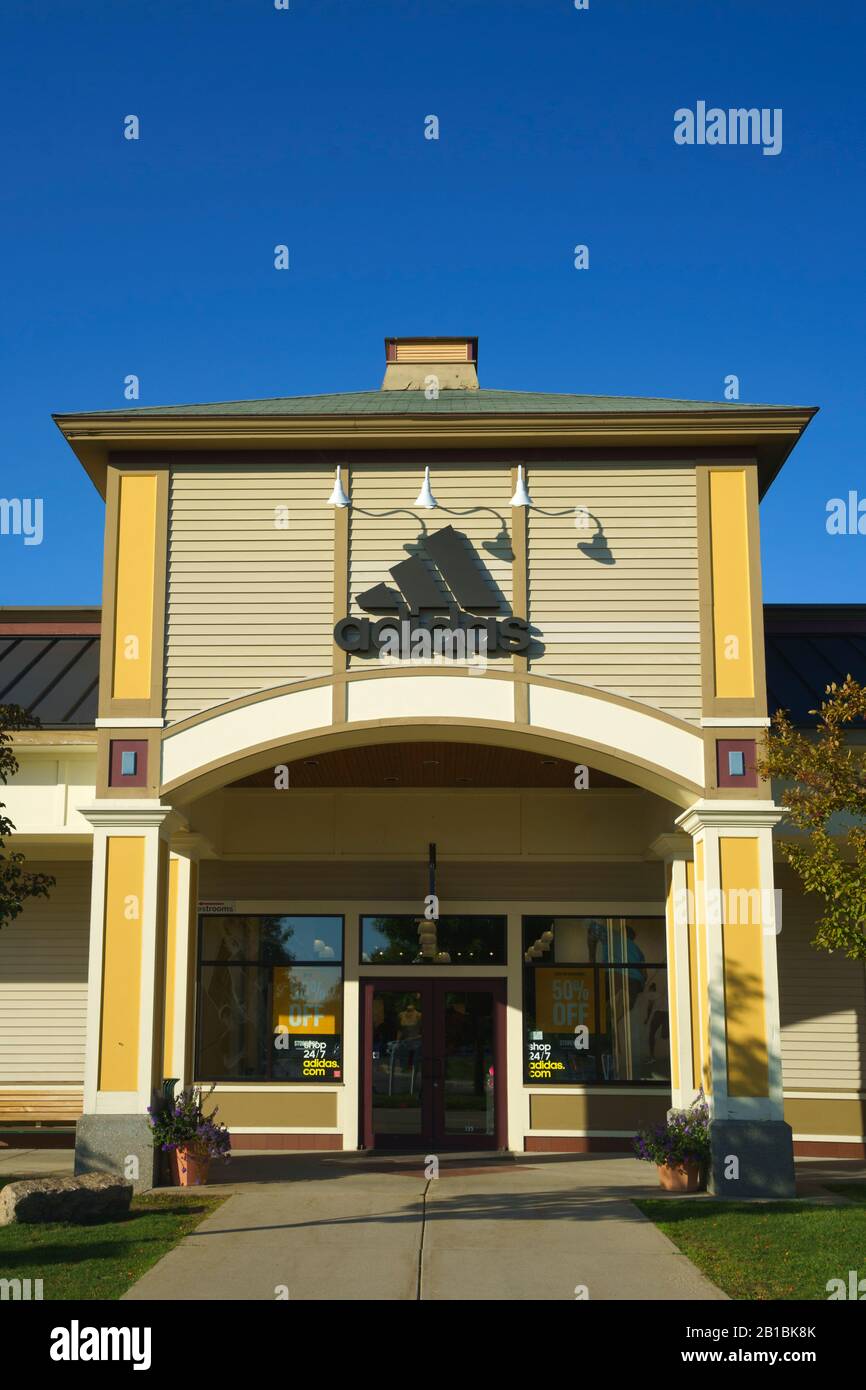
116,775
748,757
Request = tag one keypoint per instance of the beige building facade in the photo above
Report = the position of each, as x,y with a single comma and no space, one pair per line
412,799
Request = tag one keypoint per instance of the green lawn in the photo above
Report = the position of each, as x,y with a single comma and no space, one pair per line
104,1259
775,1250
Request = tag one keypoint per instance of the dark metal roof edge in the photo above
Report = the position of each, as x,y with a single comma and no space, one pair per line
93,612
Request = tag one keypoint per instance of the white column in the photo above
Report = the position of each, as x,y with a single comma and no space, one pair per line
125,989
143,896
349,1095
751,1145
186,849
732,907
676,851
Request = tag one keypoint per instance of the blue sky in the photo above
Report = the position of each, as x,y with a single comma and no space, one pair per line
306,127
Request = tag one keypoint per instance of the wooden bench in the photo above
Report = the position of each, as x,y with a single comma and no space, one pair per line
25,1109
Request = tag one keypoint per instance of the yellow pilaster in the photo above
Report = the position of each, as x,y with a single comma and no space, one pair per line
743,951
735,915
732,589
121,966
127,957
136,566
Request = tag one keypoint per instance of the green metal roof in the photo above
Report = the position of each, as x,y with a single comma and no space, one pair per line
482,402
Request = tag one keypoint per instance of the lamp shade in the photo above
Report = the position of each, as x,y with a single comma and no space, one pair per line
338,497
521,496
425,497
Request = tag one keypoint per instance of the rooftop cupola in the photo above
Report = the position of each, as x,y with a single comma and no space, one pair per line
415,364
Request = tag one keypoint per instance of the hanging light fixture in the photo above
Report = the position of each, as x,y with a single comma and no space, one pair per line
338,497
521,496
425,497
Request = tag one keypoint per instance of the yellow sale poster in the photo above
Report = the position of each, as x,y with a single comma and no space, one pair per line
565,999
306,1001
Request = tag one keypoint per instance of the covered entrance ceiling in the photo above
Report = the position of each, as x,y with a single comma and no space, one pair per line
431,765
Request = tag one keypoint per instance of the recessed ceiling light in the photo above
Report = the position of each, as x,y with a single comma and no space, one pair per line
391,779
465,781
430,762
311,762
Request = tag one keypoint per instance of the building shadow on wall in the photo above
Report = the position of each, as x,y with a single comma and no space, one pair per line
822,1003
597,547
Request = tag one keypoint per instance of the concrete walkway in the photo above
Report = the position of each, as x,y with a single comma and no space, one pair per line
346,1226
35,1163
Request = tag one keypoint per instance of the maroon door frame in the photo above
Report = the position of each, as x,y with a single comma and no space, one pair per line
432,991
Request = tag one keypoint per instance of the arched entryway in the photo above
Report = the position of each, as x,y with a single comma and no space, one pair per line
432,1050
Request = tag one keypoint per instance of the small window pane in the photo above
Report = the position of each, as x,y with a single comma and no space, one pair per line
273,939
602,940
636,1036
626,941
233,1023
230,938
453,940
389,941
302,938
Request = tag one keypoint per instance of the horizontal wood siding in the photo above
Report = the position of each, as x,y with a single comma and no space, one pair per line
43,983
617,608
41,1104
385,527
432,352
822,1002
250,602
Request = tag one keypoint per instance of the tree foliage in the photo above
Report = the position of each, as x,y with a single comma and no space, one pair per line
825,799
17,883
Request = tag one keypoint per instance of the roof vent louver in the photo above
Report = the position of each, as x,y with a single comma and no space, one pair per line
431,365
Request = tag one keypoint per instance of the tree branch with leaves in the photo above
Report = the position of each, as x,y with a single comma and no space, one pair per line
17,883
825,798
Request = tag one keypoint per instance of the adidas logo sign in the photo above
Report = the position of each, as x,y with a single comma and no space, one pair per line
436,608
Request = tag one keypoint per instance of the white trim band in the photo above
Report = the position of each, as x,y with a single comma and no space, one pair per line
745,721
139,722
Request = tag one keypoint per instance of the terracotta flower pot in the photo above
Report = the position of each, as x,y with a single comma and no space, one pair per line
685,1178
189,1167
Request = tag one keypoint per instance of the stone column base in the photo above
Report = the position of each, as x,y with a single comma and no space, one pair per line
764,1150
107,1143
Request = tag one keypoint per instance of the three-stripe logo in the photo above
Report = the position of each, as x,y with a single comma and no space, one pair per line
453,583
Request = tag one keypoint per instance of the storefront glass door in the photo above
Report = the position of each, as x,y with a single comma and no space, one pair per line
400,1093
431,1051
468,1072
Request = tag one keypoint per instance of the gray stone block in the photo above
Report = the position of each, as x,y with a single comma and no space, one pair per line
108,1143
764,1150
98,1196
